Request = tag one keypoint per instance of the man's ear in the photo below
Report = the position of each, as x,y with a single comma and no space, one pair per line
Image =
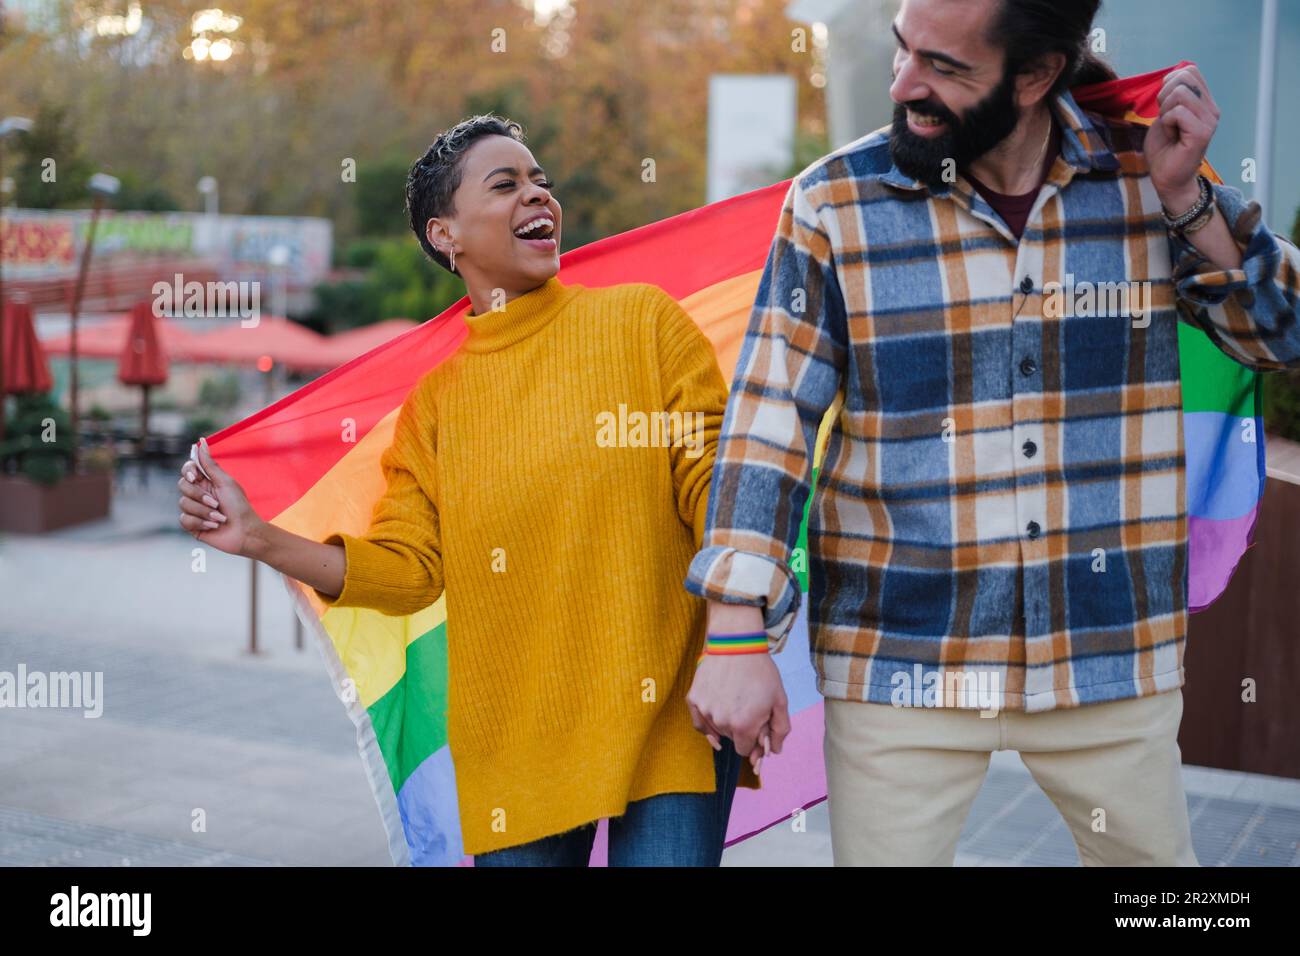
1037,78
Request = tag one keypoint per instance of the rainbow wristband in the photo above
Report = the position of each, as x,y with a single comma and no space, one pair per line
727,645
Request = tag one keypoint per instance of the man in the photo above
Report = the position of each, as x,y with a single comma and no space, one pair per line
1001,511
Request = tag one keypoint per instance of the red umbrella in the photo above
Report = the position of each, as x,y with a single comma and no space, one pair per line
25,368
143,361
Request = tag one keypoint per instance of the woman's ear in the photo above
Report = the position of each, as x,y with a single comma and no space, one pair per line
438,234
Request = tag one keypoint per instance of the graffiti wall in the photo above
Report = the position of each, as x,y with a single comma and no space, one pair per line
36,243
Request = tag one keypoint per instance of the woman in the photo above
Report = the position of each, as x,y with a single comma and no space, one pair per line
571,641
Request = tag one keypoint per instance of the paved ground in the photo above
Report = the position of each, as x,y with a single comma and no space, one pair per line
261,754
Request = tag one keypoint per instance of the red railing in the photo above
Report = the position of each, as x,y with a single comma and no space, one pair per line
109,287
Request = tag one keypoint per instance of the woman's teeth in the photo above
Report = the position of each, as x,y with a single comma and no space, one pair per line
537,229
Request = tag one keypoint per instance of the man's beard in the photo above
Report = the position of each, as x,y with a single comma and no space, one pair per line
963,140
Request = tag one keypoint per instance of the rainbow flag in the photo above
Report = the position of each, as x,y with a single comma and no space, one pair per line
311,461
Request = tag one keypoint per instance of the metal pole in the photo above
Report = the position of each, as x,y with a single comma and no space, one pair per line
1264,107
252,605
144,436
252,622
76,307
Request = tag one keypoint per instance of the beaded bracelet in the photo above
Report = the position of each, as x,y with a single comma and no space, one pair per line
1196,215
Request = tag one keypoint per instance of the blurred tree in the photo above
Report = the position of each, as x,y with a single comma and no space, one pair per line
600,88
52,170
381,197
143,195
400,283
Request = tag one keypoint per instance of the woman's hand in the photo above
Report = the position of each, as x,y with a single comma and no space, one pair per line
740,697
215,511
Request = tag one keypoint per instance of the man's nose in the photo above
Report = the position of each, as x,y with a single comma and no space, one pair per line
907,86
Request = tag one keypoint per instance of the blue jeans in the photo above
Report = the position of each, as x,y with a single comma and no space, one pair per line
668,829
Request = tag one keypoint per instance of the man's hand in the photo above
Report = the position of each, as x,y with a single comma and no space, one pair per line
1175,147
1177,140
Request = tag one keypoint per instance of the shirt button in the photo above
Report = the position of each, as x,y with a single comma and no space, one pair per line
1027,284
1028,366
1029,448
1033,529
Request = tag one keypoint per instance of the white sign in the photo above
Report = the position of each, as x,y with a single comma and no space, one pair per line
751,132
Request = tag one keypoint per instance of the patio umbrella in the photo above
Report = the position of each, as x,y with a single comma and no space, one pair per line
143,360
25,368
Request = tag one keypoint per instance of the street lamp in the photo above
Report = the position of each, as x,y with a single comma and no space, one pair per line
208,187
10,125
102,187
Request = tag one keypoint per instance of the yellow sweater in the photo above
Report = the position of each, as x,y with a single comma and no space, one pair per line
531,474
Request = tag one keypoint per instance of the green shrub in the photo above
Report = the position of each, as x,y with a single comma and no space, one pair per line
1282,389
220,392
400,282
44,469
1282,403
38,440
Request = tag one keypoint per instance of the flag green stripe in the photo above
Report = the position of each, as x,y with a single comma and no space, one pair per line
410,720
1212,382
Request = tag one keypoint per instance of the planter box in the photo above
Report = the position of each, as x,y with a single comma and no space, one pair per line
29,508
1250,633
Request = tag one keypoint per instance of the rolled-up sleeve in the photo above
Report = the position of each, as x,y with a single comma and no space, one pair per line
1249,312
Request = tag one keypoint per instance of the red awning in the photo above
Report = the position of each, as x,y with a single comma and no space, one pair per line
273,338
282,341
107,339
142,360
25,366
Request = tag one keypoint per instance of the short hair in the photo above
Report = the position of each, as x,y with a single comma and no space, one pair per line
1026,29
435,176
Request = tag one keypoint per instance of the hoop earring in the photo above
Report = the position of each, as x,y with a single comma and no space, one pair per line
452,256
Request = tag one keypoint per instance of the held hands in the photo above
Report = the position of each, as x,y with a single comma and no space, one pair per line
214,510
739,696
1177,140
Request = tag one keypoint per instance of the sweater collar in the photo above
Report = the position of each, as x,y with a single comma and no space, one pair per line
521,317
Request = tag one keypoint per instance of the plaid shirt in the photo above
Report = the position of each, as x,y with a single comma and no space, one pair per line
983,452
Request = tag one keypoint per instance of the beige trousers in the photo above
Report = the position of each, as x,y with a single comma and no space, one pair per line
901,780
